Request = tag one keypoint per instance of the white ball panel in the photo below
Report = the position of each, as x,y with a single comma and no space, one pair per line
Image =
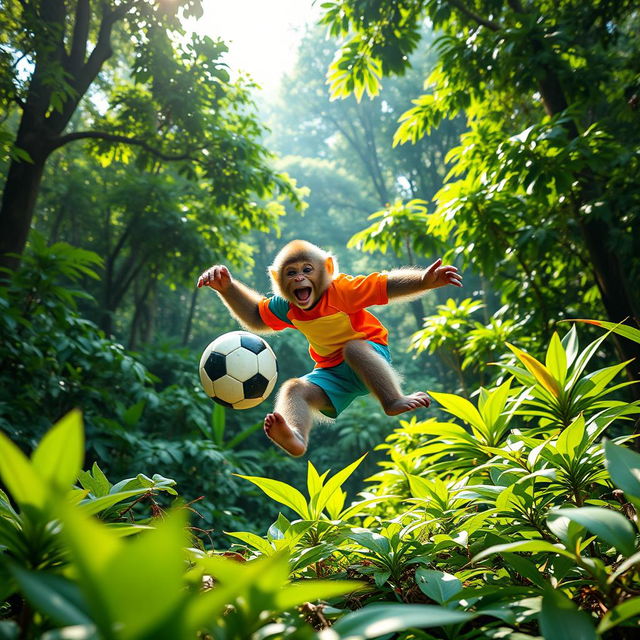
228,389
242,364
267,364
227,342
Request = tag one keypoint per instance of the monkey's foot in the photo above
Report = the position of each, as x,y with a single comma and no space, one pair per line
277,429
411,402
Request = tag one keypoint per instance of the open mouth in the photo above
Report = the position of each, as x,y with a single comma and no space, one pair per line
303,295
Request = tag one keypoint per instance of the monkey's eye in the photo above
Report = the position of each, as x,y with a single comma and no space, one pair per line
307,269
291,273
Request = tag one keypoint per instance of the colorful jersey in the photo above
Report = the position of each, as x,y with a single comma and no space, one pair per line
339,316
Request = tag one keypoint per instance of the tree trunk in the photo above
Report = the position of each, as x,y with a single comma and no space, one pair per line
18,203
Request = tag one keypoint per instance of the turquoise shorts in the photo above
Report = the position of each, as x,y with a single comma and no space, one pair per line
341,383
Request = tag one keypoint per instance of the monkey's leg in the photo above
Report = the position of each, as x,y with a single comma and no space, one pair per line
381,379
290,423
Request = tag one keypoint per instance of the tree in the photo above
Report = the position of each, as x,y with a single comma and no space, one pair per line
357,136
168,99
544,177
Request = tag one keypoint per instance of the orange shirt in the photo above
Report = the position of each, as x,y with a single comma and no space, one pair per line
339,316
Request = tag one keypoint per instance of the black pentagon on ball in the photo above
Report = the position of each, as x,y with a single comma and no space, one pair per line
224,403
252,343
255,386
215,366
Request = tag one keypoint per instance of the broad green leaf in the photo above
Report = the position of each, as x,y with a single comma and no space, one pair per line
608,525
461,408
313,590
25,486
418,486
537,370
253,540
314,483
571,345
495,403
96,482
335,504
532,546
92,548
58,458
627,609
561,619
571,438
9,630
375,620
437,585
282,493
370,540
556,359
142,585
333,484
92,506
52,595
235,579
623,466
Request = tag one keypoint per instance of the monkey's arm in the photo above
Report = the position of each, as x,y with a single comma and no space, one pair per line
241,301
409,283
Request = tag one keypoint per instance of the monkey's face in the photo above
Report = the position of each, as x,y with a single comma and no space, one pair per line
304,282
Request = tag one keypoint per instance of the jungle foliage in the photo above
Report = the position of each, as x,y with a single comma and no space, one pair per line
532,531
508,510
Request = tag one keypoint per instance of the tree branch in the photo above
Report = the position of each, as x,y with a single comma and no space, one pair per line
112,137
80,36
494,26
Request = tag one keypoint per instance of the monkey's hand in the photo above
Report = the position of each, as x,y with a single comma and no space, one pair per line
216,277
439,275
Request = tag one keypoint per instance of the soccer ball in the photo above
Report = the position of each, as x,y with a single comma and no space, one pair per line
238,370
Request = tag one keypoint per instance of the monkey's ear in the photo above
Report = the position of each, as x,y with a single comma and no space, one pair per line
330,265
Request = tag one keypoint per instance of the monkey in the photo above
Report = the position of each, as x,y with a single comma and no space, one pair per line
347,343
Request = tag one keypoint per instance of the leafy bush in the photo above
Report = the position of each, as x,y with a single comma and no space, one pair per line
514,513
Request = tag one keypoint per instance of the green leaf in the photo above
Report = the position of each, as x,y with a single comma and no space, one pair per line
333,485
313,590
623,466
556,360
437,585
254,541
282,493
370,540
375,620
461,408
608,525
91,506
58,458
532,546
52,595
561,619
570,439
627,609
19,476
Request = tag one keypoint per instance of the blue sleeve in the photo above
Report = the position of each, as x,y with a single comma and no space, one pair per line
280,307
